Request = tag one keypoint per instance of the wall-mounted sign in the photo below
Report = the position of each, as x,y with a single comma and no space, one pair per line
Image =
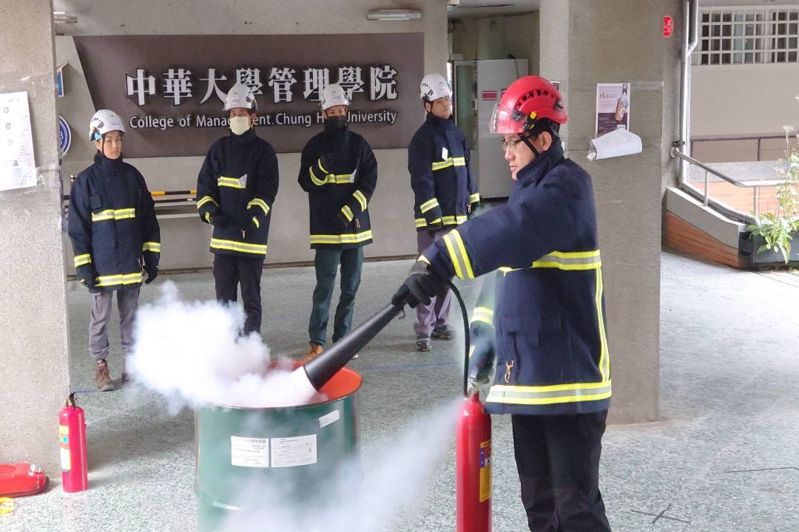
668,26
64,136
612,107
59,80
17,163
170,90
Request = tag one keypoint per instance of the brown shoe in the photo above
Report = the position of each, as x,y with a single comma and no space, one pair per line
102,378
314,350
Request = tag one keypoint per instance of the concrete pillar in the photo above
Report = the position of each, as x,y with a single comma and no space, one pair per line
585,42
33,316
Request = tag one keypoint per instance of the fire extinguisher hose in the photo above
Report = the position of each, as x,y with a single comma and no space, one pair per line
466,338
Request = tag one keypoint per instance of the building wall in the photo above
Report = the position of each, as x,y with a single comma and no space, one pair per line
185,240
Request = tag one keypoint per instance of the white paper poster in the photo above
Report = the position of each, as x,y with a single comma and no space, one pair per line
17,164
612,107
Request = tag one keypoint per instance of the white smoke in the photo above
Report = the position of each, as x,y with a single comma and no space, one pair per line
358,499
192,353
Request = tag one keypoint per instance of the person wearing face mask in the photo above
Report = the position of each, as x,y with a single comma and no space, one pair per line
236,189
114,235
339,172
445,193
545,331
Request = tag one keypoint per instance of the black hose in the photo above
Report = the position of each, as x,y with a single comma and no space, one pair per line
466,338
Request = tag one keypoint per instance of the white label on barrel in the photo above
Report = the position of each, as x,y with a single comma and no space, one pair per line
292,452
249,452
327,419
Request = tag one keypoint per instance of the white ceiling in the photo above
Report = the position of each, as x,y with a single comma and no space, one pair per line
485,8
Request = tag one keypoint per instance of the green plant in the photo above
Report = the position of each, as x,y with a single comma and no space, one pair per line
776,227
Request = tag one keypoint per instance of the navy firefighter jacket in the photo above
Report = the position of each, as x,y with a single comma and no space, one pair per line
443,186
551,347
236,189
112,224
339,172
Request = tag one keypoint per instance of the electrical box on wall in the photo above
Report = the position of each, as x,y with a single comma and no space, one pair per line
478,86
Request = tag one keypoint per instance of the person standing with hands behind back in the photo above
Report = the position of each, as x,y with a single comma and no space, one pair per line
546,332
445,193
114,234
236,189
339,172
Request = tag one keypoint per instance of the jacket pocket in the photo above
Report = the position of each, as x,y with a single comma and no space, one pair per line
96,202
538,348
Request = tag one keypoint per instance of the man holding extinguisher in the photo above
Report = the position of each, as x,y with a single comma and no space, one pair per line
545,331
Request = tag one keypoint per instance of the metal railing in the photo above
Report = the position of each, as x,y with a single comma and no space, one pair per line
757,139
704,195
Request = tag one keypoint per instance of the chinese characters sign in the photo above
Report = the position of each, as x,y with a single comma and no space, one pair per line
170,90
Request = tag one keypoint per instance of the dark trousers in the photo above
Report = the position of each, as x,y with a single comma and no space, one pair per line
558,462
326,263
229,272
428,317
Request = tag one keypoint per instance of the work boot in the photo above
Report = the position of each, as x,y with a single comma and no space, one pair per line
443,332
102,378
423,343
314,350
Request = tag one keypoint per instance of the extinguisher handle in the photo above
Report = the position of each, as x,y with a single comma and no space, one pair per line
71,400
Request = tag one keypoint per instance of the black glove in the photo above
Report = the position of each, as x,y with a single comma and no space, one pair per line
87,277
152,273
421,285
342,221
481,356
223,220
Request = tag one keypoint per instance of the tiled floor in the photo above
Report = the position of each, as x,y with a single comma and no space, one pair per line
723,457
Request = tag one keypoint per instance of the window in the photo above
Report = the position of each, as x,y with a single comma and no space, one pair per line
748,36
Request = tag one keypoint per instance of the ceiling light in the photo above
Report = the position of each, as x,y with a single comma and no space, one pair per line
394,14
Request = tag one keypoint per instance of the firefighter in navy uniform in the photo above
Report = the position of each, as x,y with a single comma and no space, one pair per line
236,189
549,346
114,235
445,193
339,172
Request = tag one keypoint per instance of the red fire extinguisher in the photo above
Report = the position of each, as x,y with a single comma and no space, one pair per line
72,444
473,467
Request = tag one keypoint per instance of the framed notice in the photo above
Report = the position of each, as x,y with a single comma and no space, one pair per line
612,107
17,164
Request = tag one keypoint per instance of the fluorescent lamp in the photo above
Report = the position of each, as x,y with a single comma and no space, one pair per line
394,14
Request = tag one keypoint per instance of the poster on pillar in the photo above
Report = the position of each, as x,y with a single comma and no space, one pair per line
170,89
612,107
17,162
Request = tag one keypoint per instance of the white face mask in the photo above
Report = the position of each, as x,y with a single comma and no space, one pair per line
239,124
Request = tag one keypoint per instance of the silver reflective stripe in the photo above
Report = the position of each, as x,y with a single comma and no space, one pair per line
570,260
543,395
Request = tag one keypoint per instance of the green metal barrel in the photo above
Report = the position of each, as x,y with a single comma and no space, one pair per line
292,451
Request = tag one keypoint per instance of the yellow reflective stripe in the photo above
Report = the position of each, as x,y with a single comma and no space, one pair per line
570,260
342,179
155,247
206,199
114,214
459,161
207,217
81,260
454,220
243,247
256,222
259,203
347,212
474,198
113,280
505,270
421,222
315,180
552,394
348,238
232,182
457,251
424,259
361,199
322,168
604,357
483,314
446,163
428,205
471,350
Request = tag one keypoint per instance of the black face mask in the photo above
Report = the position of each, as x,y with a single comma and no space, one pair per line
334,124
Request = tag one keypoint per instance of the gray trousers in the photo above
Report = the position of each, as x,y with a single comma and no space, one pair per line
436,313
127,302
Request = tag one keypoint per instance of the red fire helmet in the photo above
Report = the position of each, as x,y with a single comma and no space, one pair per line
524,102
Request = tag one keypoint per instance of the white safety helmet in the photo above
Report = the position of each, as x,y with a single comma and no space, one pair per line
240,96
333,95
104,121
433,87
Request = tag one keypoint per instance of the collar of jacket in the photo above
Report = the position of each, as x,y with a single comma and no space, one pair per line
246,137
542,164
443,123
105,163
337,138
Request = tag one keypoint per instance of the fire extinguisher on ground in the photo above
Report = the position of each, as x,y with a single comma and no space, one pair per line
473,467
72,444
